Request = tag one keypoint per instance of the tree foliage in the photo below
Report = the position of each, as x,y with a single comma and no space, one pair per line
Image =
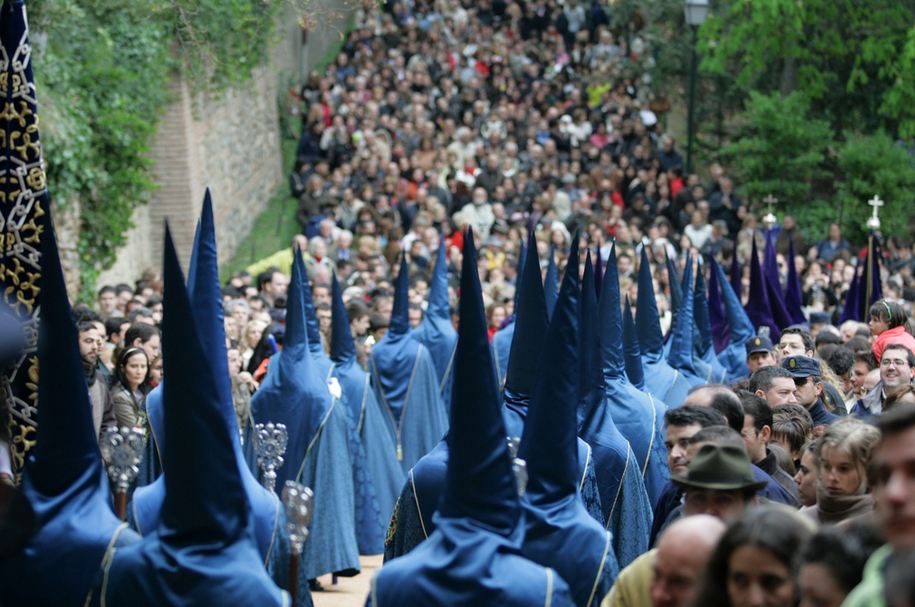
781,148
103,70
851,60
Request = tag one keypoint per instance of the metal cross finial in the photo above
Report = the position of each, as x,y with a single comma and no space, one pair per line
270,441
769,219
873,222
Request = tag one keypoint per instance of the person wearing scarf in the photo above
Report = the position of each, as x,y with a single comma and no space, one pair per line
843,454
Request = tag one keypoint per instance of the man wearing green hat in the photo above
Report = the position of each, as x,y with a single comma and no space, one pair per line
719,482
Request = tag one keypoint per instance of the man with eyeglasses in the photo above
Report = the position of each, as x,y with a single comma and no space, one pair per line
808,388
897,368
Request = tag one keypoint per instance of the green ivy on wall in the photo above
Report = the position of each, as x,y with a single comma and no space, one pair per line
103,69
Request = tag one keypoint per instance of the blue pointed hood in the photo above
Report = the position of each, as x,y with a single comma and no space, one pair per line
435,331
479,483
740,329
681,339
611,325
63,480
758,308
631,350
66,444
203,548
591,378
531,323
438,289
400,318
342,348
549,443
315,345
793,293
676,288
204,497
647,319
701,313
394,357
551,282
718,322
206,301
598,271
294,391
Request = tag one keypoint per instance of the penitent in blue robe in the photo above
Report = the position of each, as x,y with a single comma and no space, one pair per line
406,385
318,445
268,518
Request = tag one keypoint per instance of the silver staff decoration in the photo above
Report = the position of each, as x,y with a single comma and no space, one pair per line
122,448
270,440
297,500
873,222
519,466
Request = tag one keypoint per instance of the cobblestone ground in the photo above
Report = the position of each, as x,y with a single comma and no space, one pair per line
349,592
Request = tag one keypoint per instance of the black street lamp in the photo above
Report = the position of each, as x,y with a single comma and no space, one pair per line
696,11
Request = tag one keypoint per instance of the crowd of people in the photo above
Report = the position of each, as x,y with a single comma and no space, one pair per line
503,136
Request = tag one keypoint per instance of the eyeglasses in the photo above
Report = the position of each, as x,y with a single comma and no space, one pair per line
893,362
801,381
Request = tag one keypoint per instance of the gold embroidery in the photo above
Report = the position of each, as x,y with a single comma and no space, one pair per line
22,223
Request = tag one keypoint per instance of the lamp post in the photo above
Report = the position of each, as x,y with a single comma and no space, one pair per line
696,11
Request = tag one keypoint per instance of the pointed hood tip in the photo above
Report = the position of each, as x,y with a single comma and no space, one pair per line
531,323
611,330
63,451
400,315
192,409
479,481
549,444
681,348
342,348
647,320
633,354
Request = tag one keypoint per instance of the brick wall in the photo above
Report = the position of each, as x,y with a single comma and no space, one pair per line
230,144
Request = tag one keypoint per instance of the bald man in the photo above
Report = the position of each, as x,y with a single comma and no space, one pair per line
669,575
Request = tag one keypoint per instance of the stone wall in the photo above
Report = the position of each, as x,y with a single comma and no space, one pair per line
230,144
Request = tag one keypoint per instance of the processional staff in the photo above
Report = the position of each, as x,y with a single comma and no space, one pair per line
123,449
297,500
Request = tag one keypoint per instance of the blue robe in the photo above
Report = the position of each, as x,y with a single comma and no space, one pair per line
412,520
406,386
435,573
369,423
318,448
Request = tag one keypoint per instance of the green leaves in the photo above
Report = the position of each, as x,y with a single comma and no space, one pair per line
780,148
103,80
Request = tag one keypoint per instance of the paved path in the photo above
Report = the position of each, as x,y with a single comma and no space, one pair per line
349,591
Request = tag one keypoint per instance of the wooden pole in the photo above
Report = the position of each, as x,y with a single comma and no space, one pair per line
120,505
293,576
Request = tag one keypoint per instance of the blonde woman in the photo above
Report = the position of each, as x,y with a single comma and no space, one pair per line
843,454
249,339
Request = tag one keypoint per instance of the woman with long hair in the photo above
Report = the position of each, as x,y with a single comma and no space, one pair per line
757,560
843,454
130,387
